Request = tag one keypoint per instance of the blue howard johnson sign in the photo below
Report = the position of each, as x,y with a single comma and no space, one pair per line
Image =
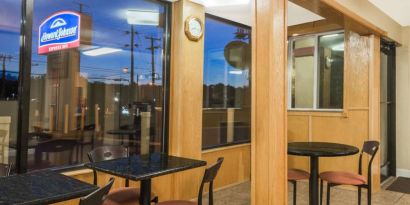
59,31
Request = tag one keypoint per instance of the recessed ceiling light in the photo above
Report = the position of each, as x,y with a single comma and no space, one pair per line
236,72
138,17
101,51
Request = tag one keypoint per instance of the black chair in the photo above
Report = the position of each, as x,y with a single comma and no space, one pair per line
5,169
121,195
336,178
97,197
209,177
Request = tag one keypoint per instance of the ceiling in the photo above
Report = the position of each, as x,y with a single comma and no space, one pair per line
240,11
396,9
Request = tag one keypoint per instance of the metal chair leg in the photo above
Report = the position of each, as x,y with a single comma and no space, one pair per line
294,192
328,194
359,193
321,191
369,196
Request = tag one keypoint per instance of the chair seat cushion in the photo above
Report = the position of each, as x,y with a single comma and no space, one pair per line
297,174
177,202
343,178
124,196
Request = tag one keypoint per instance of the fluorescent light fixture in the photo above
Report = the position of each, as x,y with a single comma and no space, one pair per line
339,47
139,17
330,35
236,72
101,51
220,3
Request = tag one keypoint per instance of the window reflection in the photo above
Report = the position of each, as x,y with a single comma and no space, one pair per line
303,69
227,99
331,64
106,91
10,11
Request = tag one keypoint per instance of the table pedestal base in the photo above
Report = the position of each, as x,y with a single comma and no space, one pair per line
313,182
145,195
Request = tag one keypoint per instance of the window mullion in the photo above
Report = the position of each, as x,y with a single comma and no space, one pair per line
315,74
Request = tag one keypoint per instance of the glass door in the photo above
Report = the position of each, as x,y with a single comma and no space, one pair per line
387,111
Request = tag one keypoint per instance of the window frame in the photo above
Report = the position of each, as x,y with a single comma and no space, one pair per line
26,27
315,107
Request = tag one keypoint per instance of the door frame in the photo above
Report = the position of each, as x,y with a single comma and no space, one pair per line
389,48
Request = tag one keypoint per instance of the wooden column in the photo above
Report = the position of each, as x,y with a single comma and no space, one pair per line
185,120
374,104
269,97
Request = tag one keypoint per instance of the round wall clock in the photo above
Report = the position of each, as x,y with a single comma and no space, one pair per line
194,28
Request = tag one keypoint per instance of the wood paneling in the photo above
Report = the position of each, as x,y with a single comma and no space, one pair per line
269,94
360,119
303,133
236,167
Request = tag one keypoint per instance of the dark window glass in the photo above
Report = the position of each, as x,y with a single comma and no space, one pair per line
10,17
107,89
227,92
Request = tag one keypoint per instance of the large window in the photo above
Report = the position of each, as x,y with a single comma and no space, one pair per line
10,17
97,78
316,65
227,92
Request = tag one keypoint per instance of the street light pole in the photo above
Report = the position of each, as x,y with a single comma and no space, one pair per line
132,55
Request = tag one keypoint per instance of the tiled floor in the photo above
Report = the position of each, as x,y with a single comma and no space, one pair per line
240,195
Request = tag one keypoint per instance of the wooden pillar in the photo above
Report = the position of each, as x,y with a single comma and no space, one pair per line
185,120
374,104
269,107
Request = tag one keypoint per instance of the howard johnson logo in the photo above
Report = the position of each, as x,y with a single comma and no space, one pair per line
59,31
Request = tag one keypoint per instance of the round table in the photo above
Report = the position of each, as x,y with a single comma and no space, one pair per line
314,150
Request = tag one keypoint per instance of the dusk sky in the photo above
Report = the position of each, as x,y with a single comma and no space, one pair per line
109,30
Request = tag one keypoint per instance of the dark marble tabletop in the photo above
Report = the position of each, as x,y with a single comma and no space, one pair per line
142,167
41,187
321,149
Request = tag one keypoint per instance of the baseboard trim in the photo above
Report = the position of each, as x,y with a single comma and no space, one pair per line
403,173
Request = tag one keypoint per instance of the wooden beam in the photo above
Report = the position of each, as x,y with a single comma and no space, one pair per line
313,27
374,104
269,94
185,120
335,13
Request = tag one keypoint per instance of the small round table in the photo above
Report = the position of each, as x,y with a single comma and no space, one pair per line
314,150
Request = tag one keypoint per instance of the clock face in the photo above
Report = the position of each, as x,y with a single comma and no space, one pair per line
195,28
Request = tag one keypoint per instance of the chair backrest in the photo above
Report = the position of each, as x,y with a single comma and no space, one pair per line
98,196
370,148
107,153
209,177
5,169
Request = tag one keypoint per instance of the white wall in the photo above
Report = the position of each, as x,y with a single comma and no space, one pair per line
371,13
403,105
